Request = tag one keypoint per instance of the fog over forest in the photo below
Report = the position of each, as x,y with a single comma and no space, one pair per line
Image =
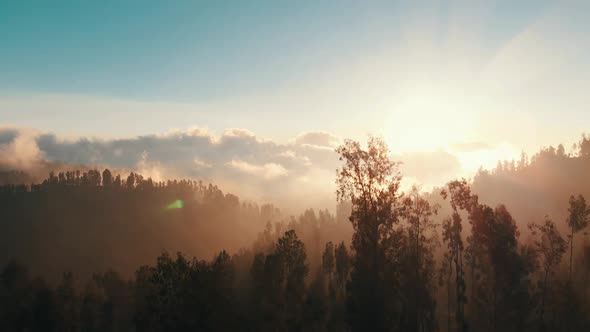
493,252
389,166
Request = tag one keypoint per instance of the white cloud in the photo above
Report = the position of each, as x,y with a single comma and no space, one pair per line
236,160
267,171
292,155
21,152
201,164
319,139
192,131
288,154
238,132
150,169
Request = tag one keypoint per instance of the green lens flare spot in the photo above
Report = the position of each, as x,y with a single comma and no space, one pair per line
177,204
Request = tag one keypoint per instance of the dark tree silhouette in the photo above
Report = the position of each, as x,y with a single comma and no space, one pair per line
578,219
107,178
328,259
182,295
279,280
460,198
550,247
68,302
342,267
370,180
418,266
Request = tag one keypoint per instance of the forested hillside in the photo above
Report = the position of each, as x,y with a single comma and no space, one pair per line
88,221
508,251
539,185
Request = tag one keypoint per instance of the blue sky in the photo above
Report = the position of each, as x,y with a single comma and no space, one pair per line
203,50
428,76
181,50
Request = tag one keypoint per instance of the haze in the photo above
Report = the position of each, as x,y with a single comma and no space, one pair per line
317,165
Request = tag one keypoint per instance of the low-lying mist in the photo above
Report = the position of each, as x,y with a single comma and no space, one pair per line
87,220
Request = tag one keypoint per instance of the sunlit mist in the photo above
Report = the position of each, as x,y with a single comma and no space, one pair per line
178,166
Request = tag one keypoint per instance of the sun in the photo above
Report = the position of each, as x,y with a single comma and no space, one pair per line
428,117
437,115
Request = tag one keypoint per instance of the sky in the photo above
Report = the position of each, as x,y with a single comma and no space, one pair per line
450,85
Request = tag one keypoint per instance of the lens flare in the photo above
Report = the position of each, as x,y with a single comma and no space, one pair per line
177,204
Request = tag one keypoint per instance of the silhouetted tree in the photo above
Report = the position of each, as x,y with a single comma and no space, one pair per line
44,309
417,264
505,284
15,297
370,180
107,178
502,292
579,216
460,197
291,254
550,247
90,308
279,281
342,266
328,260
68,303
181,295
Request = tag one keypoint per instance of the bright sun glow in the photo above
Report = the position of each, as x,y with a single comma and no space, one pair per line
430,121
440,112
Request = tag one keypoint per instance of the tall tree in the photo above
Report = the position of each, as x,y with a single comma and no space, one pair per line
370,181
342,267
579,216
291,254
550,247
418,268
460,197
506,279
67,300
107,178
502,291
279,281
328,260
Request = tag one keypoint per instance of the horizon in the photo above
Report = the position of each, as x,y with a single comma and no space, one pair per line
450,86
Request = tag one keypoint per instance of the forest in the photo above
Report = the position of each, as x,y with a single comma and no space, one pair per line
91,250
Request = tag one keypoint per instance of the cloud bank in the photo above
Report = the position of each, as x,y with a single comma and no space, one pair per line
299,172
